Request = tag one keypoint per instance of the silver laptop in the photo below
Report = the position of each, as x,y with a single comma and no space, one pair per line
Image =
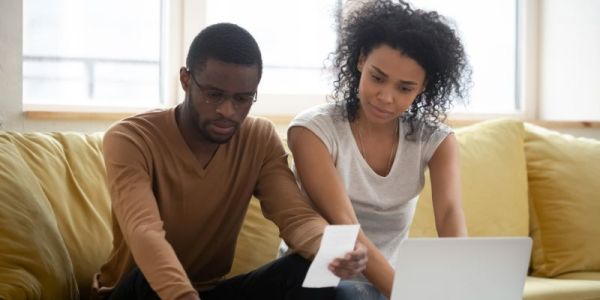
461,268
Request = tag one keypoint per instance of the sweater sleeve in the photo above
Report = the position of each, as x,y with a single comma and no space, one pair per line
283,203
128,166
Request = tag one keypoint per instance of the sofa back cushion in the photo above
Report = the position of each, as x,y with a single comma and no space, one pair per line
34,261
564,185
258,242
494,182
68,169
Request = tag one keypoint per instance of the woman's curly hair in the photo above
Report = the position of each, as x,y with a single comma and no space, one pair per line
424,36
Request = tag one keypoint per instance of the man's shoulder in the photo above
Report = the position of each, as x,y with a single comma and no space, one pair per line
258,121
257,125
151,119
258,133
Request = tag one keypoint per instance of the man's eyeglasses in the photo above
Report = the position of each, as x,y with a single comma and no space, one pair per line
216,97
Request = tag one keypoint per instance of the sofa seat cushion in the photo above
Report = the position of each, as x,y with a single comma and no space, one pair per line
537,288
34,261
581,275
494,182
564,177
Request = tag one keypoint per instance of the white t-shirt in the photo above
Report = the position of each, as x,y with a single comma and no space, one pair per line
384,205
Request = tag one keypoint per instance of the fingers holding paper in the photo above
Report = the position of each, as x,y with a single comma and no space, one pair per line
336,258
352,264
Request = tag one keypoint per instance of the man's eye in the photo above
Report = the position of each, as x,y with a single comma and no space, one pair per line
244,99
214,95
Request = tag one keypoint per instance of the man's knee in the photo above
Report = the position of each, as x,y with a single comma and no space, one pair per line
298,263
292,265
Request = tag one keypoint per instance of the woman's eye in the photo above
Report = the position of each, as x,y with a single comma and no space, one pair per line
376,78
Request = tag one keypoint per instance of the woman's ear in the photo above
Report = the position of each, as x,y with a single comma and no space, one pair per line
184,78
361,62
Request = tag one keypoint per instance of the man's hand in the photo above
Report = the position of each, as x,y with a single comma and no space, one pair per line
189,296
352,264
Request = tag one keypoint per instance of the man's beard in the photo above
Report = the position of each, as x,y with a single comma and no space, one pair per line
202,125
204,131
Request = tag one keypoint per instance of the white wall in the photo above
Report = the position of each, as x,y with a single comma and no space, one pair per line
570,60
571,70
10,62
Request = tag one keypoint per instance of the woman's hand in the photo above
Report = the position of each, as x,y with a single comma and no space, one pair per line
352,264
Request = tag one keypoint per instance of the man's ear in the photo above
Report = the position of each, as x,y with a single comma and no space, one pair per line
184,78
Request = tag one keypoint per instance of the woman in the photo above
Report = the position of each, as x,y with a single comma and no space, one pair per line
361,160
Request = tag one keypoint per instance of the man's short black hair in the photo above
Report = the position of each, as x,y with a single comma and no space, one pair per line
226,42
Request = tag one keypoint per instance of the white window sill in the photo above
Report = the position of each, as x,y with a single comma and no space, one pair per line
116,113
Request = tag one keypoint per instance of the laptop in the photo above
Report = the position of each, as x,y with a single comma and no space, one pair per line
461,268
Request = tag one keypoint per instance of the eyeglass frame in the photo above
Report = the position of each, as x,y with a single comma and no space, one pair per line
220,99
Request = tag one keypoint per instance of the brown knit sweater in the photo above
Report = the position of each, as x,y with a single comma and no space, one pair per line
177,221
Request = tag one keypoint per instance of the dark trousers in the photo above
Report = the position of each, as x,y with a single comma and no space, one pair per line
280,279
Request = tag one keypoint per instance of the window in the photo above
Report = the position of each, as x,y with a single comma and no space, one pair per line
489,33
295,38
87,53
295,47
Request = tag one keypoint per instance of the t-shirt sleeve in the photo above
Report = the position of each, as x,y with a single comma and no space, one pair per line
319,121
282,202
128,168
433,141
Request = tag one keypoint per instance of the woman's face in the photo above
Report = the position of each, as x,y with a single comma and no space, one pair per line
389,83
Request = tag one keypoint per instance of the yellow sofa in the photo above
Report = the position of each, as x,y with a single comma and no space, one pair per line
523,180
55,219
518,180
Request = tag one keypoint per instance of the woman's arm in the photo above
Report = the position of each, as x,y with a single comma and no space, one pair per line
326,191
445,189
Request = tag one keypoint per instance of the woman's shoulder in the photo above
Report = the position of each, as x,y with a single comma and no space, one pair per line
423,131
326,112
441,128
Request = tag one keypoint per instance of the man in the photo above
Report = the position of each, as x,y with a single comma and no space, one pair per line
181,180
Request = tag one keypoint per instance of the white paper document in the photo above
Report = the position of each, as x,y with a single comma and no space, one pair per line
336,242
